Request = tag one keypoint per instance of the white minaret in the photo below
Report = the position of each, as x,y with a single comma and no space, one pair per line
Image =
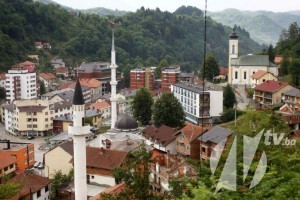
79,131
233,53
113,83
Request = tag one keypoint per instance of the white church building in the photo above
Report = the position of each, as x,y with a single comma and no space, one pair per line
241,67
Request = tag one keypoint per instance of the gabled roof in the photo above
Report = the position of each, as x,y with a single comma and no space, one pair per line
26,63
66,95
223,71
294,93
252,60
100,105
164,134
191,131
62,70
91,83
68,147
47,76
6,159
258,74
31,108
215,135
271,86
29,180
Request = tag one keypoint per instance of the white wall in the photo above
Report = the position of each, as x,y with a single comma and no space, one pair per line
103,180
44,194
216,103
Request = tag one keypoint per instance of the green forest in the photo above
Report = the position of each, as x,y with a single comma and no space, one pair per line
145,38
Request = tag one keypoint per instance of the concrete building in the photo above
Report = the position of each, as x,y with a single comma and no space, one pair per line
142,78
104,107
198,106
29,117
241,67
48,79
169,76
7,164
22,152
21,84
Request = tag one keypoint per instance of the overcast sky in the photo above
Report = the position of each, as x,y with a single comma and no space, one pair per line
172,5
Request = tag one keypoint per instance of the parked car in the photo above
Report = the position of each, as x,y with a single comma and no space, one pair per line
36,164
41,166
30,137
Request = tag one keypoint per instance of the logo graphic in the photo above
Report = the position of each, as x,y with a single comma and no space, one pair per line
228,178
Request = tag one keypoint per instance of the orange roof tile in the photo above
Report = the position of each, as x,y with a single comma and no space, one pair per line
62,70
66,85
2,76
47,76
259,74
100,105
271,86
92,83
192,131
6,159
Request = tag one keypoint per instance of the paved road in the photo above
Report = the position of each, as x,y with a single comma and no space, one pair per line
241,97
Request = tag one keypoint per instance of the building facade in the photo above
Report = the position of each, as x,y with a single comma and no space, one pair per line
142,78
198,105
169,76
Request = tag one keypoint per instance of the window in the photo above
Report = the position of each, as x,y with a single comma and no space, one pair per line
236,75
203,149
38,194
5,169
46,119
34,126
28,125
46,188
233,49
11,166
245,75
46,113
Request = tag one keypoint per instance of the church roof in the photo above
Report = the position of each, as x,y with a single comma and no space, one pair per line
78,96
252,60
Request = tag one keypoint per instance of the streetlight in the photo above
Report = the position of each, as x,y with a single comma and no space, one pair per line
235,107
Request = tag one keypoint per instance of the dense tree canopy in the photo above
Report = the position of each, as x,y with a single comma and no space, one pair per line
211,68
167,110
142,105
228,97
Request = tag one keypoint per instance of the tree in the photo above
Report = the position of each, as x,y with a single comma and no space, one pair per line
7,189
211,68
59,181
142,105
229,97
167,110
271,53
2,93
42,87
294,71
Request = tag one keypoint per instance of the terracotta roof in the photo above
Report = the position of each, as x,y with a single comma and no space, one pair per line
29,180
66,85
47,76
31,108
92,83
271,86
259,74
164,134
62,70
111,190
26,63
100,105
192,132
6,159
223,71
104,158
2,76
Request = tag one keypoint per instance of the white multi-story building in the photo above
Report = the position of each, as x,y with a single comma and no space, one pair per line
198,105
20,84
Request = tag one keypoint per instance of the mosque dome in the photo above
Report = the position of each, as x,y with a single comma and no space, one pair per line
126,122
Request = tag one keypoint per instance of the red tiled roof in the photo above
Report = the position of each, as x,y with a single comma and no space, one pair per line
26,63
29,180
62,70
223,71
6,159
259,74
2,76
111,190
192,132
91,83
47,76
66,85
271,86
100,105
164,134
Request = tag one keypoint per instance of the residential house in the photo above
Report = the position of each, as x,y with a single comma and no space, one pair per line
187,77
22,152
62,71
104,107
186,140
29,117
46,45
162,138
27,65
260,77
38,45
48,80
21,84
241,67
34,187
291,101
62,108
7,164
122,104
34,57
270,92
93,84
210,139
199,106
100,162
293,120
57,63
223,74
166,167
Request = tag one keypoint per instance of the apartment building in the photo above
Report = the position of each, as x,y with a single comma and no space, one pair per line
22,152
169,76
29,117
20,84
143,77
198,105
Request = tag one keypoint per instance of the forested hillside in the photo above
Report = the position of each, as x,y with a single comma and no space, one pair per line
146,37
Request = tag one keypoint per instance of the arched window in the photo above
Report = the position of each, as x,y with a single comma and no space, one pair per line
233,49
245,75
236,75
